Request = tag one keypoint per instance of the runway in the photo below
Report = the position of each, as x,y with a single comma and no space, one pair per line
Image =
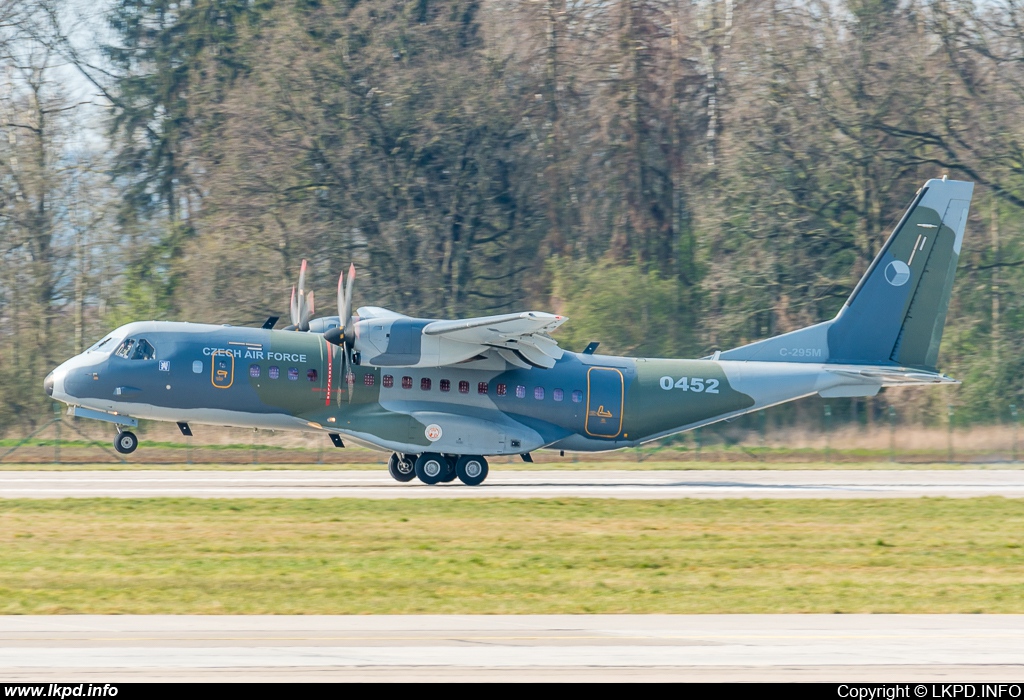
101,649
517,484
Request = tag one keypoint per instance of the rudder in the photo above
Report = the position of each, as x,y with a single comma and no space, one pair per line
896,313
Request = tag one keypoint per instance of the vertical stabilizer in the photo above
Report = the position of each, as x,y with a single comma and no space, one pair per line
896,314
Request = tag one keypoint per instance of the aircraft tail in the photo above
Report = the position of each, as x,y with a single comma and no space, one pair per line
897,311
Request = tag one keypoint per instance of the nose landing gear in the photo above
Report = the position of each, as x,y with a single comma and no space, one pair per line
126,442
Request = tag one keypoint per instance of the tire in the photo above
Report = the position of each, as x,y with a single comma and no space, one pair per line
450,474
401,469
472,470
431,468
126,442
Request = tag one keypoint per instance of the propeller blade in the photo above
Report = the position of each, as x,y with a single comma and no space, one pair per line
346,312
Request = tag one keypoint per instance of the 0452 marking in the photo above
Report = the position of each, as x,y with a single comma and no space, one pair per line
698,384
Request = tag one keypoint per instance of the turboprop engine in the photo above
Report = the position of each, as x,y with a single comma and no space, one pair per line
383,338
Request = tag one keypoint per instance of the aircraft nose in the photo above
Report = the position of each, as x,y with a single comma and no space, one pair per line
48,384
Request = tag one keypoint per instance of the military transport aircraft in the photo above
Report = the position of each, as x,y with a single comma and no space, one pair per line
443,395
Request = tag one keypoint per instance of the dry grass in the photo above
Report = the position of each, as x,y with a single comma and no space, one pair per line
502,556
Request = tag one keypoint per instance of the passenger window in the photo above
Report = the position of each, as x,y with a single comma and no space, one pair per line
125,349
538,393
197,366
293,374
254,371
481,388
425,384
311,375
464,387
446,385
143,350
558,394
369,380
520,391
274,372
502,390
407,382
577,396
389,381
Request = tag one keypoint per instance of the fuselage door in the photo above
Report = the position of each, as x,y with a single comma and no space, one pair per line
222,369
604,402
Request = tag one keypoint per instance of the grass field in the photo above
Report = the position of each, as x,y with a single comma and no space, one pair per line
505,556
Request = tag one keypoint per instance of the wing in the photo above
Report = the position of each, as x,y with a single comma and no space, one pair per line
521,339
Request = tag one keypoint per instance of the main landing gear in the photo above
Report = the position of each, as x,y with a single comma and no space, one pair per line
125,442
433,468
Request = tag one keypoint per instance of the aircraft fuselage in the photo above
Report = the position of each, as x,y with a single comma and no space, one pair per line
286,380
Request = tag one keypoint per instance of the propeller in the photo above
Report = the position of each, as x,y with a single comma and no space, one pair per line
301,304
344,336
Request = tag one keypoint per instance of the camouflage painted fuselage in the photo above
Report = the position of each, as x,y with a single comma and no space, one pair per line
292,381
887,333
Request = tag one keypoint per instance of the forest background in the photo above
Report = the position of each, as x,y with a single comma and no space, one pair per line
677,176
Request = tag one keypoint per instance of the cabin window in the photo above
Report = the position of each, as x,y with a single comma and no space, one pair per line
197,366
407,382
369,380
446,385
274,372
389,381
464,387
502,390
293,374
577,396
311,375
125,349
558,394
425,384
481,388
538,393
143,350
520,391
254,371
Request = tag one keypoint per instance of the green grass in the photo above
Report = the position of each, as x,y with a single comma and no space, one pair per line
504,556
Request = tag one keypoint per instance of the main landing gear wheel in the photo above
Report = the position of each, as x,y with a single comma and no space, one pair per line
126,442
431,467
401,468
472,470
450,473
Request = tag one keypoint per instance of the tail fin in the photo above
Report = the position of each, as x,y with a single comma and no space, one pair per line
896,314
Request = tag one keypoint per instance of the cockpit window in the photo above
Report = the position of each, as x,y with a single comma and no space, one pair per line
143,350
125,348
132,349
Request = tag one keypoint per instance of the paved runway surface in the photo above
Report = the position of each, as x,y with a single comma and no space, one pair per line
518,484
498,647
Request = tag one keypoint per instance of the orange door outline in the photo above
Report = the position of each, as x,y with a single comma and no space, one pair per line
216,374
603,411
